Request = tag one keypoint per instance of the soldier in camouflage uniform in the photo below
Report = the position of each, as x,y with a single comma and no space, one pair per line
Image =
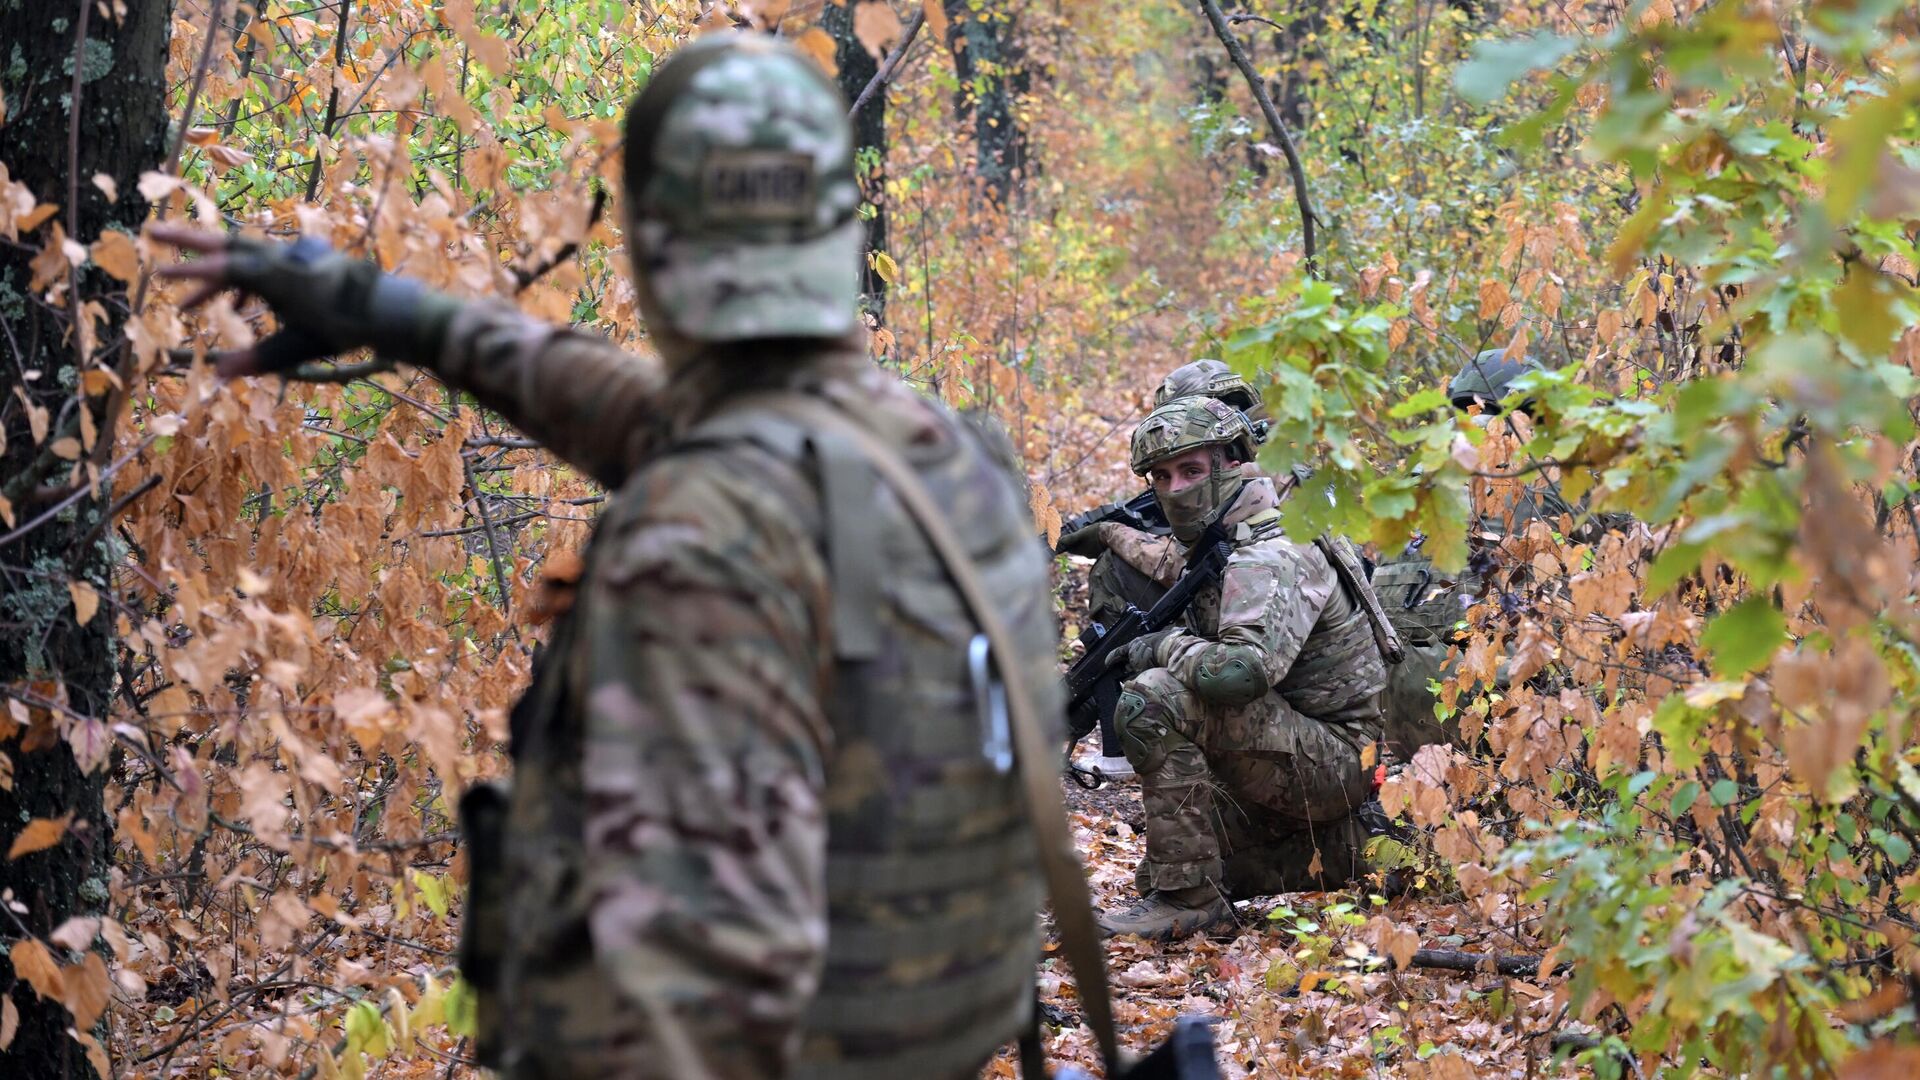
1248,726
1425,605
1131,567
755,829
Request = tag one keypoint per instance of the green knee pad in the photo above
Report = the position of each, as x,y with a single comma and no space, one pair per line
1146,739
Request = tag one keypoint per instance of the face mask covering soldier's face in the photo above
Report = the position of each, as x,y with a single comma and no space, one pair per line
1190,509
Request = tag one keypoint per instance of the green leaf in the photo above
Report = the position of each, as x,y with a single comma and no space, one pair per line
1496,64
1896,846
1723,792
1425,401
1743,638
462,1009
1685,796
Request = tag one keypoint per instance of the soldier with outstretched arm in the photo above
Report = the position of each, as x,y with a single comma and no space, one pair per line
759,825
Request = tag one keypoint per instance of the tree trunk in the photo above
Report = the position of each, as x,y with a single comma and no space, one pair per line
857,68
992,73
57,543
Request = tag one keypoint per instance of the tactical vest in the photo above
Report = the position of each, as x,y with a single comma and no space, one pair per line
1424,604
1339,673
932,879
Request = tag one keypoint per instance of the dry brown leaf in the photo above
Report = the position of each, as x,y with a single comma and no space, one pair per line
32,962
876,26
1882,1061
937,23
39,835
818,44
9,1021
86,601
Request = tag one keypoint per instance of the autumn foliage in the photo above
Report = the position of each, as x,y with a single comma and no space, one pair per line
1684,783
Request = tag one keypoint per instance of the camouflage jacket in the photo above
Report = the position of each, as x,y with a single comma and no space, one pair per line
737,851
1280,606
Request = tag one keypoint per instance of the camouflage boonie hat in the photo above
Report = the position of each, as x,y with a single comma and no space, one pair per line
1185,423
1210,378
743,199
1485,379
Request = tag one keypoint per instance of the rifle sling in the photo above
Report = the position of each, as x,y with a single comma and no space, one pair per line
1066,881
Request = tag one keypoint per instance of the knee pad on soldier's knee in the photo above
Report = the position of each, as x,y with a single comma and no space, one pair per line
1143,733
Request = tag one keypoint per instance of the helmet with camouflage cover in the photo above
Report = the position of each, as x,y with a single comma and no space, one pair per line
1209,378
1192,423
741,195
1485,379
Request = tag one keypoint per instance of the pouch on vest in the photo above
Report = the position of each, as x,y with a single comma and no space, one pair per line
483,923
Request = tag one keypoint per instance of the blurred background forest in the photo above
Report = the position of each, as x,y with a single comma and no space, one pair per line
256,637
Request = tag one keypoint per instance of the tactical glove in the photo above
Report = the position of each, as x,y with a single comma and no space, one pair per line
1085,541
1142,652
329,304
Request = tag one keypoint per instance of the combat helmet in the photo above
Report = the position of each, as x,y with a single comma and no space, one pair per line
1190,423
741,195
1485,379
1209,378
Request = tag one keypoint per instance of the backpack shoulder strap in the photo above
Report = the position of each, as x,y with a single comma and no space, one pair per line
1346,566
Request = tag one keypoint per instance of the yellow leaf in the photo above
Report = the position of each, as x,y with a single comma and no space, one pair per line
85,601
32,962
884,265
818,44
40,834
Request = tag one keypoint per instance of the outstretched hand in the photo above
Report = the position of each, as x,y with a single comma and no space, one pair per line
211,271
327,303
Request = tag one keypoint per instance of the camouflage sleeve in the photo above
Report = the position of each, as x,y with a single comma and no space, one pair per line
1158,557
586,399
1270,599
703,763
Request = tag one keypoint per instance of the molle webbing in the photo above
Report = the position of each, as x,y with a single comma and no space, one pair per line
931,938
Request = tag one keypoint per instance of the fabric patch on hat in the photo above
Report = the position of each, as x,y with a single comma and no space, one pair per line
757,185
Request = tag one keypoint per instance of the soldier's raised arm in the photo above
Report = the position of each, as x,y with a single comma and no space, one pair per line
578,394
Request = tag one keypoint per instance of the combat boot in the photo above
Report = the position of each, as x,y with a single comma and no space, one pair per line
1167,914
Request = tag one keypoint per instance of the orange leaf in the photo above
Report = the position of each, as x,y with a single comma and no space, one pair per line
876,25
40,834
936,18
32,962
86,601
818,44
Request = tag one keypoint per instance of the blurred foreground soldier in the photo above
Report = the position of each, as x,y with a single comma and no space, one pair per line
761,822
1249,726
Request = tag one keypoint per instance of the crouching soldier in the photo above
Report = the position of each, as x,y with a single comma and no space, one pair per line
1250,725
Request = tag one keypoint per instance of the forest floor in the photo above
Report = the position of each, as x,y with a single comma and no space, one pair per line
1301,986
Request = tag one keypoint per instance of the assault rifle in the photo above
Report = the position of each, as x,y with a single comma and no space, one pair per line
1140,512
1093,683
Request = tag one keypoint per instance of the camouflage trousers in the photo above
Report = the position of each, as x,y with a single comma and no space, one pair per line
1113,584
1259,799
